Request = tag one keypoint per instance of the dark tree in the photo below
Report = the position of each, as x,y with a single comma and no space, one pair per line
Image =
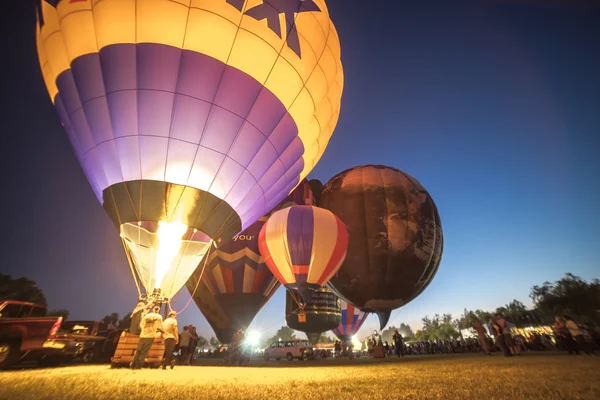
21,289
403,329
443,328
570,295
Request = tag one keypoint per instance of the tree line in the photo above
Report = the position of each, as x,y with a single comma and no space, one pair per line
570,295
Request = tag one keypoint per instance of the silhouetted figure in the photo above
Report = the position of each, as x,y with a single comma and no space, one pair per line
398,343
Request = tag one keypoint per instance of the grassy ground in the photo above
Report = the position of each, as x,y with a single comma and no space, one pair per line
542,376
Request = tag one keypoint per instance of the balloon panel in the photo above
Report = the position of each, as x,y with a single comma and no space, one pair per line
210,94
395,243
237,267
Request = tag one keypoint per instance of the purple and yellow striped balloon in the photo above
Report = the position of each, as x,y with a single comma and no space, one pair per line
224,105
198,114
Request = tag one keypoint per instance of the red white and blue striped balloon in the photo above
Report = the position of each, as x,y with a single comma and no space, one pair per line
303,246
352,320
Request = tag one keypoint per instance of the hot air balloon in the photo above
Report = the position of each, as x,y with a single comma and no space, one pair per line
235,281
191,120
235,284
351,321
321,314
396,240
303,246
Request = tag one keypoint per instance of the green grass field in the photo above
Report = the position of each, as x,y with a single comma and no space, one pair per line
533,376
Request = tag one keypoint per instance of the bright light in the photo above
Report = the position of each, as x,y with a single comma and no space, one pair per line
356,343
253,338
169,241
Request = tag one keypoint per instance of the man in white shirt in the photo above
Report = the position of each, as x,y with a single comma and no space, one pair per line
151,324
171,335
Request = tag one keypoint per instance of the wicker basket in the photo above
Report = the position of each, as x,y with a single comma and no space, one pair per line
126,347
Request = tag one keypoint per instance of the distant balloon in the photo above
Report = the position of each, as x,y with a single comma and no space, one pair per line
351,321
190,117
236,282
322,313
396,241
303,246
239,282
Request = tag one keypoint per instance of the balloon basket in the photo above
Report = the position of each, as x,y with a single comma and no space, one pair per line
127,346
378,352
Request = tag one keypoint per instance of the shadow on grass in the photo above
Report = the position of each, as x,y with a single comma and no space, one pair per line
367,361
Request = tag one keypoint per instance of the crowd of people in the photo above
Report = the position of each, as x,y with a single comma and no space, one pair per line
499,336
567,336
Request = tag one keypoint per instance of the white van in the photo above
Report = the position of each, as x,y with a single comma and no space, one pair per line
290,349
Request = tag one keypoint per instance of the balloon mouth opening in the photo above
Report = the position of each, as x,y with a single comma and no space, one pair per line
382,314
163,254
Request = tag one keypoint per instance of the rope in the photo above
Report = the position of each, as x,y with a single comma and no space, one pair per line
300,306
130,262
206,257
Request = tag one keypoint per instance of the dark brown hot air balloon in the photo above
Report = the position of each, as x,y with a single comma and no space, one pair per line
322,313
396,240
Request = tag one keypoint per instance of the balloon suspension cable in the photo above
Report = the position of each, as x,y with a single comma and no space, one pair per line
133,272
294,293
206,257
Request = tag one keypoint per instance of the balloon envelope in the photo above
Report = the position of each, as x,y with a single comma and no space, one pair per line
235,284
202,115
351,321
396,241
303,246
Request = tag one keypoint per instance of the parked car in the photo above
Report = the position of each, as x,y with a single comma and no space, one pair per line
89,341
289,349
27,334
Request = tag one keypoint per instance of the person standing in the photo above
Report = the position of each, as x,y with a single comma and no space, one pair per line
499,338
337,347
564,334
171,336
482,337
151,325
508,339
577,334
184,342
398,343
136,317
192,344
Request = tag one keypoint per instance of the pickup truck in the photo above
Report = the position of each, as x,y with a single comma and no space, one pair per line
88,341
27,334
